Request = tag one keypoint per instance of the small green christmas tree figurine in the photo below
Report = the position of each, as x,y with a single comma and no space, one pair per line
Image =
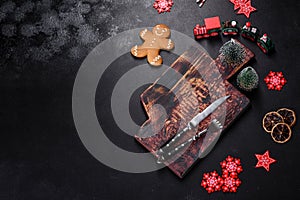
248,79
233,53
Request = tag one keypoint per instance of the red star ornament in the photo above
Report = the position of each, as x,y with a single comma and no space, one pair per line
238,3
264,160
246,9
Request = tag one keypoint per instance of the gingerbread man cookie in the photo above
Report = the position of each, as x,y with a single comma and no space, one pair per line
154,41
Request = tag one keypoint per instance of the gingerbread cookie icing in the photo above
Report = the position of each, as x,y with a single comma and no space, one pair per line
153,42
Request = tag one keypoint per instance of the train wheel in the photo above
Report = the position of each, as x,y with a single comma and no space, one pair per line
262,48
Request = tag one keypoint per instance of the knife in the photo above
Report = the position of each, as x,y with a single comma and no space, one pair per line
194,122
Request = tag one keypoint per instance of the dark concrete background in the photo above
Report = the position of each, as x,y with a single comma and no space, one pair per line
42,46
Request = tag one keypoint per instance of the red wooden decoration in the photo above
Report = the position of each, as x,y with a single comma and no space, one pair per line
212,22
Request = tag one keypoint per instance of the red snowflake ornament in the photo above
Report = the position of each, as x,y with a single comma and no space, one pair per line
163,5
275,81
246,9
238,3
212,182
230,184
264,160
231,166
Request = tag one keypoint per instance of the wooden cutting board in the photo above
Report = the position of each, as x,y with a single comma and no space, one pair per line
202,81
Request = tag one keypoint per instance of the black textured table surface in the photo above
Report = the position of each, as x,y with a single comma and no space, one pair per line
43,44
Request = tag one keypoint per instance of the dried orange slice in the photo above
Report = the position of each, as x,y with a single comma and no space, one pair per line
270,120
281,133
288,116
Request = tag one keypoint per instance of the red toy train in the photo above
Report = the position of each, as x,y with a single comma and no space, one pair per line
212,27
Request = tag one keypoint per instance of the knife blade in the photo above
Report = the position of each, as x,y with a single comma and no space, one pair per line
207,111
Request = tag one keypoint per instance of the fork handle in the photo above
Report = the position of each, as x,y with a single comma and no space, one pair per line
163,156
177,136
186,142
